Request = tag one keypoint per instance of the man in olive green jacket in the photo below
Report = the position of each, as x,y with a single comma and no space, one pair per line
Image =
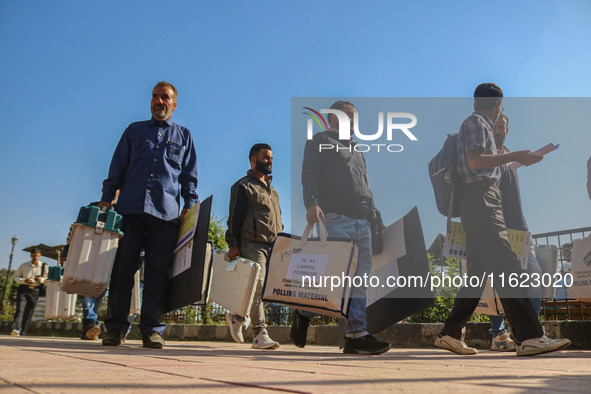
253,224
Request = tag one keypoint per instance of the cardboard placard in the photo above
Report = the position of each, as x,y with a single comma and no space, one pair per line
191,269
455,243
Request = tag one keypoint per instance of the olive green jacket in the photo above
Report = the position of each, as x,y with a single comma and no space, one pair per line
255,214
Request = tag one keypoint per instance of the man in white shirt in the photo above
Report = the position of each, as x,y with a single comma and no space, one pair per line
30,276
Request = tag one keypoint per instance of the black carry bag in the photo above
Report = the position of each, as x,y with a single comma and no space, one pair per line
446,182
376,224
42,288
374,217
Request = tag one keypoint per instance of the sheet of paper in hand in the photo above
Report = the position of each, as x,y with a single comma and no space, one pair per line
540,152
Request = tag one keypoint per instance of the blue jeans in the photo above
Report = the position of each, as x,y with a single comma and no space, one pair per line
358,230
497,323
90,310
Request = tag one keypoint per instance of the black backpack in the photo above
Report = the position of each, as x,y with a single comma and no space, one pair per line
443,172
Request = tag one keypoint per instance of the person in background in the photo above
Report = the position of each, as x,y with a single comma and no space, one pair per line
30,276
514,219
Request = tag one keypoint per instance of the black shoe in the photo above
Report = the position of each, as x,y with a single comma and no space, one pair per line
298,332
153,340
114,338
365,345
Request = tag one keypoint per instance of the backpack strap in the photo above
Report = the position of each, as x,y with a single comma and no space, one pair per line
450,211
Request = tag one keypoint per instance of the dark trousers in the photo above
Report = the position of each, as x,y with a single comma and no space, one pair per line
26,300
158,239
488,251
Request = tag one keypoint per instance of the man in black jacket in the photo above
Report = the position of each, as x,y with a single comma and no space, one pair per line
253,224
337,192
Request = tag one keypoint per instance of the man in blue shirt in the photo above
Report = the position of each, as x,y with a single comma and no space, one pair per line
153,159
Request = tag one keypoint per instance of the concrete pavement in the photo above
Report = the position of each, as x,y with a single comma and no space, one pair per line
68,365
405,335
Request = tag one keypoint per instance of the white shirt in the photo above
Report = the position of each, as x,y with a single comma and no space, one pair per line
29,270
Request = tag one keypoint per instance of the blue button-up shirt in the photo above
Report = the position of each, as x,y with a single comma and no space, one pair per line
150,162
476,132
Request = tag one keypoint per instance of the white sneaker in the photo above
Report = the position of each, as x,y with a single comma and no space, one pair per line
503,342
236,326
15,333
454,345
262,341
540,345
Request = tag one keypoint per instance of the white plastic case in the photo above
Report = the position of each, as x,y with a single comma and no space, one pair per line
58,304
233,282
90,260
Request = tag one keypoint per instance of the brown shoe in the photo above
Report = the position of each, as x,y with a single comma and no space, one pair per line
92,333
153,340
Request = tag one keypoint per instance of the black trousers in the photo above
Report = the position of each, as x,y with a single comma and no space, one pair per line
26,300
489,251
158,239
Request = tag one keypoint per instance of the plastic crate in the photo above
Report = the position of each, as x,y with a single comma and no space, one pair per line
55,273
92,216
91,254
58,304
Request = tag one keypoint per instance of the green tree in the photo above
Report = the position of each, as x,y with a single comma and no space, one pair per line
217,233
444,295
10,296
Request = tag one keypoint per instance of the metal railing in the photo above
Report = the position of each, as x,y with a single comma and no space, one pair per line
564,241
276,314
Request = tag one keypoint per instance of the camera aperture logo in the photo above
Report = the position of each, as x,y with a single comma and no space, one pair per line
344,132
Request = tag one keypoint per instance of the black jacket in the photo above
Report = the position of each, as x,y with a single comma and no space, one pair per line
255,214
335,180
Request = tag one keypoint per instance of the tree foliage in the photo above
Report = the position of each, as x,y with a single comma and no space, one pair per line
217,233
444,295
10,297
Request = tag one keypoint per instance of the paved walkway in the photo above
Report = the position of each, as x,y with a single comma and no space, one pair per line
67,365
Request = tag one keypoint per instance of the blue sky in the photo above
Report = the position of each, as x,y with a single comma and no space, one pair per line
77,73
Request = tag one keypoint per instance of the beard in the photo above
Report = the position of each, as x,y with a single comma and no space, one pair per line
262,167
159,112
